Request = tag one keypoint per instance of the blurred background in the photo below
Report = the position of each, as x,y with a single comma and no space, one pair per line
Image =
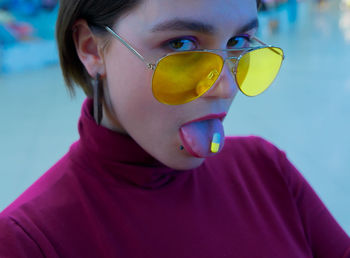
306,112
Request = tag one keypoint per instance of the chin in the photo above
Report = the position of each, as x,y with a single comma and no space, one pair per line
184,163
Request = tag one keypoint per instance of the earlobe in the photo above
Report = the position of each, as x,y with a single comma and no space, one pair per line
87,46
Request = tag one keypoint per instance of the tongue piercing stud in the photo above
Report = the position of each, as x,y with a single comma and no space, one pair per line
181,147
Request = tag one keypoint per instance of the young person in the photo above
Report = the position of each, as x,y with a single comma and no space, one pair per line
152,174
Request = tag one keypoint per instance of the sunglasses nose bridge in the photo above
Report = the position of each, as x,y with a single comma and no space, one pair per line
232,63
225,84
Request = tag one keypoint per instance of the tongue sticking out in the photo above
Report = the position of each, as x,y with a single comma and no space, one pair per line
203,138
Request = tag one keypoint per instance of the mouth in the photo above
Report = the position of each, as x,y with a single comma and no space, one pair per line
221,116
203,136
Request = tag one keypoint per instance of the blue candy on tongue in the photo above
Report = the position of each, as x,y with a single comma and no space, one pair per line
198,136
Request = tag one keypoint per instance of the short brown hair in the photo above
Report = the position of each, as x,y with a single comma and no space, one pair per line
98,14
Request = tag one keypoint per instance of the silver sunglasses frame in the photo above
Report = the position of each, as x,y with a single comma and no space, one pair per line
233,65
153,66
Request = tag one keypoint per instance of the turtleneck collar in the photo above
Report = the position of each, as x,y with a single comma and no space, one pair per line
111,152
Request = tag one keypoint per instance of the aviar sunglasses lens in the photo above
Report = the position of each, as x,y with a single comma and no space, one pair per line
257,69
184,76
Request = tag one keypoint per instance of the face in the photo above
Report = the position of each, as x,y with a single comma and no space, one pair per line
131,108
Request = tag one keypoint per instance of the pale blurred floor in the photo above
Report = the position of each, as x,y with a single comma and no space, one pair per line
306,112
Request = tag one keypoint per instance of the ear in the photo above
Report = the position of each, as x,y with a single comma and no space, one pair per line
88,48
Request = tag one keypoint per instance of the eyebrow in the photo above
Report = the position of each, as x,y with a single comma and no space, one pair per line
253,24
179,25
197,26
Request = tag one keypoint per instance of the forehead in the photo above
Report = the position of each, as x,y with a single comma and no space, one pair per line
220,14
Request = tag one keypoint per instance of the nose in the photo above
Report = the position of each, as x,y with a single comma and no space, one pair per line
225,86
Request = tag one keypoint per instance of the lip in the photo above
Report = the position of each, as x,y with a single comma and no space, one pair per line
220,116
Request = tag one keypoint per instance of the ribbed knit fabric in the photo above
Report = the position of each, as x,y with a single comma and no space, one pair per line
108,198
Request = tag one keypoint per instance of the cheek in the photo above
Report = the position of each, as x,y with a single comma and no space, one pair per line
128,80
152,124
129,83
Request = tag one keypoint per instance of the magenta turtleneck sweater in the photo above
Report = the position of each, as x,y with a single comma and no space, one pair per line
108,198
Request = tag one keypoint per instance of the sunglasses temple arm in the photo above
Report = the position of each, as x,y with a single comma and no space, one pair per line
129,47
258,40
264,44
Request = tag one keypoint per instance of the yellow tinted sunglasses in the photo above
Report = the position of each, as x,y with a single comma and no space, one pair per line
183,76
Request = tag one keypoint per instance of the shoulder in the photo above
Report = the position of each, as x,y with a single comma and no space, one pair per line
252,158
251,149
15,241
53,186
40,210
264,158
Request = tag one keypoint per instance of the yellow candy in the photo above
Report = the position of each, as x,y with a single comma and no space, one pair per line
215,144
